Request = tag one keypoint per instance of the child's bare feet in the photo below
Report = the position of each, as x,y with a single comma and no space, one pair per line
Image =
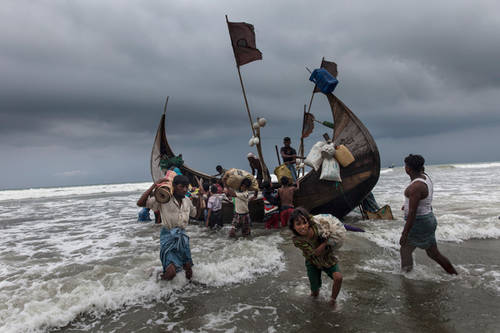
315,293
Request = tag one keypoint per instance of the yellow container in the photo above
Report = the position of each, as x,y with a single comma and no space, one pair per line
283,171
343,156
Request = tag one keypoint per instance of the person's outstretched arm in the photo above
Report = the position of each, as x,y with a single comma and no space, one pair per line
144,197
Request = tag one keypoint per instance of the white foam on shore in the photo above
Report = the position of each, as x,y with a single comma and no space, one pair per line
477,165
241,314
94,275
37,193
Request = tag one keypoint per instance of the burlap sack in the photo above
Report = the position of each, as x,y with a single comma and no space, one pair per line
233,178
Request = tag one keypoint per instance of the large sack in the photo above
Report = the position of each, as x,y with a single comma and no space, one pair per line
163,191
328,150
330,228
343,156
233,178
330,170
314,157
283,171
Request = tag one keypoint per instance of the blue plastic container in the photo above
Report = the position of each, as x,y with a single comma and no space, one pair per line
325,81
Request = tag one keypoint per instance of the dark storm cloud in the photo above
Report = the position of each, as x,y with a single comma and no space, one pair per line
90,77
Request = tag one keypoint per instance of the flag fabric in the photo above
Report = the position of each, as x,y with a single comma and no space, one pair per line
331,67
243,41
307,125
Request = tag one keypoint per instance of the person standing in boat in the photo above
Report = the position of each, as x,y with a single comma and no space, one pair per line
420,227
220,171
289,156
175,252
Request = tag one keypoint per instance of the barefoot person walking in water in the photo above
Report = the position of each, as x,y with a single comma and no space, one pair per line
175,252
317,252
419,230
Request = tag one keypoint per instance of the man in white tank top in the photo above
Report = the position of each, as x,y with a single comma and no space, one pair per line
420,227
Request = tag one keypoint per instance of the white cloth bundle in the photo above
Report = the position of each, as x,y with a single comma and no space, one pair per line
330,169
331,229
314,157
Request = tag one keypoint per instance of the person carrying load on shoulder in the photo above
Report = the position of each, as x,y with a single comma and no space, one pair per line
241,217
285,194
175,252
420,227
289,156
317,251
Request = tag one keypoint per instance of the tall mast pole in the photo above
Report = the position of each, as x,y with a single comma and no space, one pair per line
256,133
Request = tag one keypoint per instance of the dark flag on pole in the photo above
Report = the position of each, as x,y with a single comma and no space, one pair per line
243,41
307,125
331,67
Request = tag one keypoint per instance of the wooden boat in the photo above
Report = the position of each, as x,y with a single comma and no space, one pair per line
318,196
161,149
358,179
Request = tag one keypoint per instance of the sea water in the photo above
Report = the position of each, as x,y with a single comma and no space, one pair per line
75,259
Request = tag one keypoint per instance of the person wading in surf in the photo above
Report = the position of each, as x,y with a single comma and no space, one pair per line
175,252
317,251
419,230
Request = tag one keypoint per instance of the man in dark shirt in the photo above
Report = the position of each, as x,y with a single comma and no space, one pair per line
289,156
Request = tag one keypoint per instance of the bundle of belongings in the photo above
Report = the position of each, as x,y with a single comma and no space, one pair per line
163,191
327,156
233,178
331,229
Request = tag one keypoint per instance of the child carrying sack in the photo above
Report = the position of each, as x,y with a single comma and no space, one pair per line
331,229
343,155
233,178
330,169
314,158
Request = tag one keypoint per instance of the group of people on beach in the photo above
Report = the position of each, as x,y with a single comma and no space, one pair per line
175,253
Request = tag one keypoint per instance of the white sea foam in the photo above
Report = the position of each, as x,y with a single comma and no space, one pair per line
35,193
98,258
74,250
477,165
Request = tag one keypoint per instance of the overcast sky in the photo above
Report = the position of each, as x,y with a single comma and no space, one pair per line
83,83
